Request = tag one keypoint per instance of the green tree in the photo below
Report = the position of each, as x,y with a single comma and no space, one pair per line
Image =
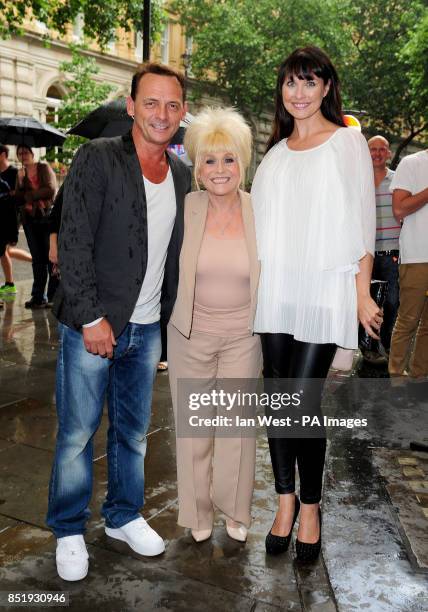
379,48
242,42
83,95
415,54
381,70
100,18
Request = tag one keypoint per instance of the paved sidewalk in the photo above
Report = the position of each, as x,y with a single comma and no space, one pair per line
367,563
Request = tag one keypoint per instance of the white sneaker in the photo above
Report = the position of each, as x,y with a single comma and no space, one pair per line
72,558
139,536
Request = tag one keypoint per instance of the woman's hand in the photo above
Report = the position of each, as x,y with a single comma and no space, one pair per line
370,315
21,175
53,248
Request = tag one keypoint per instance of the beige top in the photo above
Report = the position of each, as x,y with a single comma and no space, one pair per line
195,215
222,289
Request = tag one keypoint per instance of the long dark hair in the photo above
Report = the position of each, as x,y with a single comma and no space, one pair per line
304,63
20,147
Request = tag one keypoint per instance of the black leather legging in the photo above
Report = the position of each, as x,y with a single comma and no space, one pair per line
285,357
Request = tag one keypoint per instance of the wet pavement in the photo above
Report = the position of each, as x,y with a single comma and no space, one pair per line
372,563
374,519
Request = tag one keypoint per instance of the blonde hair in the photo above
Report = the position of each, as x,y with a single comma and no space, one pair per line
215,130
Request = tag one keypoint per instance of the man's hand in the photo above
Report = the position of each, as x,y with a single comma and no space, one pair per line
404,203
99,339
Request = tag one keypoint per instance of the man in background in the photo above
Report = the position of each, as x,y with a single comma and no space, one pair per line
385,265
410,204
8,219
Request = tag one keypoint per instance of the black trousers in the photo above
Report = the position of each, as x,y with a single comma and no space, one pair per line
37,235
285,357
385,267
164,340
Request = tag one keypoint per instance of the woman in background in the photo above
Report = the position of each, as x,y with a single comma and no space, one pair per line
35,190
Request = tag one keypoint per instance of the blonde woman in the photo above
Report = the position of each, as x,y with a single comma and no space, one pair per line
210,332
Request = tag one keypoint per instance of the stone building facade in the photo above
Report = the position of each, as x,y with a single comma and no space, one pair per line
32,84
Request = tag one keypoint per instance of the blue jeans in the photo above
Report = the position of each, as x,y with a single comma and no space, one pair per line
83,381
385,268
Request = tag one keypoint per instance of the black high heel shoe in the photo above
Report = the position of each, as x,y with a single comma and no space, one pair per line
308,553
275,545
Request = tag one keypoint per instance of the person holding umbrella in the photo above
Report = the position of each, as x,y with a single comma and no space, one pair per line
35,190
36,187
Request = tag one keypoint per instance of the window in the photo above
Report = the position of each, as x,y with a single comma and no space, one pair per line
53,102
111,45
189,45
165,45
78,24
187,57
138,44
41,26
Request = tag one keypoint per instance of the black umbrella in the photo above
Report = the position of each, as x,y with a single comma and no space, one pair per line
29,131
111,119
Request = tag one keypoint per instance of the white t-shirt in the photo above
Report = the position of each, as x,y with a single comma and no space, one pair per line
412,175
315,214
161,210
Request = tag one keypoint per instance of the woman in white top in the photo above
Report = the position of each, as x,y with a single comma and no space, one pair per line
314,205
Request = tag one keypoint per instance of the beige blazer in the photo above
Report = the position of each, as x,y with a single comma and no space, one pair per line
195,215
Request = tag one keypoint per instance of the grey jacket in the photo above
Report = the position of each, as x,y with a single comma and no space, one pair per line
103,235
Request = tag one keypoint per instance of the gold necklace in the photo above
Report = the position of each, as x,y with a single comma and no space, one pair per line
222,229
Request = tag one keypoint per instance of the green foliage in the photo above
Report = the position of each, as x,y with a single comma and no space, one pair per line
84,94
243,41
380,76
415,54
100,18
380,50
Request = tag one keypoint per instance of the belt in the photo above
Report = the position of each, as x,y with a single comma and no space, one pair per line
393,252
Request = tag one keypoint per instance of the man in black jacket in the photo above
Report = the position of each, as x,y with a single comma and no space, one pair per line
119,245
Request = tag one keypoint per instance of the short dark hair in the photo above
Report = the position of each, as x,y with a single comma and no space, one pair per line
161,70
303,63
24,146
4,149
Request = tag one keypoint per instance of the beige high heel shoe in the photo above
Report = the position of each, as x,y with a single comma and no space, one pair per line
236,533
199,535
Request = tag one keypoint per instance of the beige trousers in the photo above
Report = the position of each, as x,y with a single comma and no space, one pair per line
213,472
412,322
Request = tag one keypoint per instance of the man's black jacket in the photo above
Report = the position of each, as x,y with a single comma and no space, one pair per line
103,236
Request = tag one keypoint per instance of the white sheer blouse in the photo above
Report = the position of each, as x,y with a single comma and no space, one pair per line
315,215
